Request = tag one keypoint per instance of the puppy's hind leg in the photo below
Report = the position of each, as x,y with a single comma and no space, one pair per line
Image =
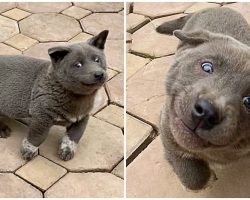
4,130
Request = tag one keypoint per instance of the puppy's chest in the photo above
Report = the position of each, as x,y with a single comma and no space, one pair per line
74,110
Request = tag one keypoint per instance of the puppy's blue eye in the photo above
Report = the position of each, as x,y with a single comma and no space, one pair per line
246,101
97,59
207,67
78,64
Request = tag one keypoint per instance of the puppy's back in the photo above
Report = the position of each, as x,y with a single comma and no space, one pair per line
17,76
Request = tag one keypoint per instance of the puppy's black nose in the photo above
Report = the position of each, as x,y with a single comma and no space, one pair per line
205,114
99,75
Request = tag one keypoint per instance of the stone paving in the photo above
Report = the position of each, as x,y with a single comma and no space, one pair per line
97,168
149,56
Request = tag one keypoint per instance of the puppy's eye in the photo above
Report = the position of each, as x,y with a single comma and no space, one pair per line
78,64
96,59
207,67
246,101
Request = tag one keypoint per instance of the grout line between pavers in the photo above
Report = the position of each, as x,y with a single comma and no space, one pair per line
133,155
29,182
107,92
116,164
85,16
139,26
66,8
54,183
107,121
54,162
99,110
144,120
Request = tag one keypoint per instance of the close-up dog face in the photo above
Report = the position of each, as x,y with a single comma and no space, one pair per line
84,65
209,90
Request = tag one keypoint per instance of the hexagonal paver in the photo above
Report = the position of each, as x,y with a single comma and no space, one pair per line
49,27
142,101
119,170
101,6
135,21
76,12
14,187
242,7
10,157
101,147
41,50
154,44
7,50
8,29
42,7
84,185
16,14
199,6
114,50
134,63
6,6
21,42
158,179
41,172
101,100
81,37
112,114
136,133
115,89
97,22
154,10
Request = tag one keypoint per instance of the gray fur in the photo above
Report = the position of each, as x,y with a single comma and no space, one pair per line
220,36
56,92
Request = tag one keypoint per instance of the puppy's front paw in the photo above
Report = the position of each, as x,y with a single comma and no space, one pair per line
67,148
66,153
208,185
4,130
28,150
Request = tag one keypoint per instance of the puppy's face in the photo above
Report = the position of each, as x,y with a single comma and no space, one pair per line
81,68
209,91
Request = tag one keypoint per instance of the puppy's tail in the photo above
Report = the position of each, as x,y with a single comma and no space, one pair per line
170,26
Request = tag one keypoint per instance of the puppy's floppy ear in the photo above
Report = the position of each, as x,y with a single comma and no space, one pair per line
58,53
99,40
193,38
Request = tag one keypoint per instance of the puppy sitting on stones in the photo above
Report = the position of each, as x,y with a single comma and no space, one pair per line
205,120
56,92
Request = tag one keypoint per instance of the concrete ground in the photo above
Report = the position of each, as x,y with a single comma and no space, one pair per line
149,56
97,168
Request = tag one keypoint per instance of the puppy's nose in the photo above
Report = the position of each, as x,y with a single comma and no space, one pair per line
205,114
99,75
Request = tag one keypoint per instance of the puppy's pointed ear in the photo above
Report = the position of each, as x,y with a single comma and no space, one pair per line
193,38
58,53
99,40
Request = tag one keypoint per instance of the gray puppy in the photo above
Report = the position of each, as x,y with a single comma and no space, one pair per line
56,92
205,120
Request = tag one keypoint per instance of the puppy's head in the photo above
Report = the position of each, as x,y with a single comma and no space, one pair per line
209,91
81,67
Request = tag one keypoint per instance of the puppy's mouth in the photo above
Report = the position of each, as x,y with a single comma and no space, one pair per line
184,135
94,83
